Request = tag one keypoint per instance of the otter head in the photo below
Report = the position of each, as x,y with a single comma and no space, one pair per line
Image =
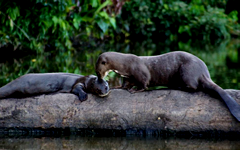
97,86
103,66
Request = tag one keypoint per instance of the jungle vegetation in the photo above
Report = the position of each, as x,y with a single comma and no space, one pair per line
63,24
60,30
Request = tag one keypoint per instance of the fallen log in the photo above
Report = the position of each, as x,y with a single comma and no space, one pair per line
155,110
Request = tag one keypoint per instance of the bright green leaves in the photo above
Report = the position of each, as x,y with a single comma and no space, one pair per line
174,19
53,22
233,16
13,12
76,21
103,25
59,22
104,21
94,3
113,22
184,28
94,18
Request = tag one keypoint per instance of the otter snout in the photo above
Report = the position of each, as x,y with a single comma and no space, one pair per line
102,66
103,88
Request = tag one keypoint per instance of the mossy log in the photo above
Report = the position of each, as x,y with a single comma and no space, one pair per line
155,110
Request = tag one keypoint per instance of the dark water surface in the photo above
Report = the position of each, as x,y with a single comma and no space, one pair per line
116,143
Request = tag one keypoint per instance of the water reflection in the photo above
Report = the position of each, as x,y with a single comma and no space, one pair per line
116,143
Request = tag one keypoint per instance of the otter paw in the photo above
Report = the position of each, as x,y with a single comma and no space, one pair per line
82,97
117,87
132,91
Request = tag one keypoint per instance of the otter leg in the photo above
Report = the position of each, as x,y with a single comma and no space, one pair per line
127,84
137,87
188,78
141,79
189,84
132,85
133,90
78,90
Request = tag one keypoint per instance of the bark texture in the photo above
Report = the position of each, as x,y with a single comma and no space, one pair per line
150,110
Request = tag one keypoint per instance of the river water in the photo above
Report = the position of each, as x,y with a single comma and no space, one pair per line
116,143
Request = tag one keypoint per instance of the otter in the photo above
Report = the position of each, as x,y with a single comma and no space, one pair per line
176,70
45,83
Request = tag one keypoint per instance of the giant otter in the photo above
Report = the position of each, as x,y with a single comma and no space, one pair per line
43,83
175,70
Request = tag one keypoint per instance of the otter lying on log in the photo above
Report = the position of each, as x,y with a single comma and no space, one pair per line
174,70
44,83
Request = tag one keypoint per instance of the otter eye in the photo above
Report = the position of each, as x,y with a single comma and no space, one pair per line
103,62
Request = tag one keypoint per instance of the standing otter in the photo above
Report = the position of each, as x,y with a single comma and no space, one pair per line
175,70
43,83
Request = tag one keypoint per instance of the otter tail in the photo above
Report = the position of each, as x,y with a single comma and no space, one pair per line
8,90
210,87
4,93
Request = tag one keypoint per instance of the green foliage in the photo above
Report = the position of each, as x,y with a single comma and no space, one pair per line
205,3
41,22
63,23
54,27
176,20
54,61
49,29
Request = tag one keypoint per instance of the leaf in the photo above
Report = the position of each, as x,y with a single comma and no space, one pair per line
11,24
76,21
94,3
55,20
113,22
103,25
107,2
75,24
62,24
233,15
166,6
86,19
47,23
104,15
